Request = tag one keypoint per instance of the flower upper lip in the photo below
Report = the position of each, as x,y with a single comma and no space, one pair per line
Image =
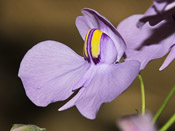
92,19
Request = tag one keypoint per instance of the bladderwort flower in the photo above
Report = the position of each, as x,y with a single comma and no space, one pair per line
51,71
151,35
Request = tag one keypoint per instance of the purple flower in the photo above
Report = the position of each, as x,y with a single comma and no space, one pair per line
137,123
158,11
51,71
151,35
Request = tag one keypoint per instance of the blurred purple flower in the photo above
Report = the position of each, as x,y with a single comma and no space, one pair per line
136,123
151,35
51,71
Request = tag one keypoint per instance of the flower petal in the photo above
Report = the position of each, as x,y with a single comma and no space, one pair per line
149,15
169,58
71,103
129,31
160,10
83,82
163,5
92,19
109,81
49,71
147,43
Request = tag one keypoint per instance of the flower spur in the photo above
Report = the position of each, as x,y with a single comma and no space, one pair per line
51,71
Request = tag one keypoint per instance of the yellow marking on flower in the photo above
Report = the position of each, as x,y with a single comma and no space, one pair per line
85,44
96,43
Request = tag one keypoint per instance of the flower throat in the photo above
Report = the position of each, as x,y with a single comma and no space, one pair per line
92,45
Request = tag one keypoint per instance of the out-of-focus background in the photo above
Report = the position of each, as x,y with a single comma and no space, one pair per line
24,23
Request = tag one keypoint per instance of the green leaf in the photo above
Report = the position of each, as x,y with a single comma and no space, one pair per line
22,127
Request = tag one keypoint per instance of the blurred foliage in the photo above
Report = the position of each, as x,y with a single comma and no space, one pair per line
22,127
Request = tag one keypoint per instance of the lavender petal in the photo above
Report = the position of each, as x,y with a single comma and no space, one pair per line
147,43
49,71
169,59
108,82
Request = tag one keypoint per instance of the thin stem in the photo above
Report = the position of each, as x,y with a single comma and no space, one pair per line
168,123
142,93
158,113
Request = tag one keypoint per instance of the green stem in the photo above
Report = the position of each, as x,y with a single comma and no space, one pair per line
158,113
168,123
142,93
